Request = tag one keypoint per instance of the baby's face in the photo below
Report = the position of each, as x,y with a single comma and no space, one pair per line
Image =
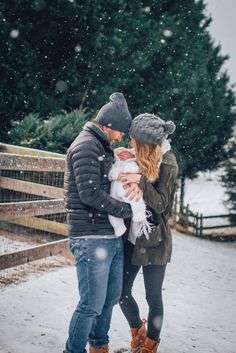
124,155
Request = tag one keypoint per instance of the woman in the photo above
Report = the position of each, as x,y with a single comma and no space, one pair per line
157,182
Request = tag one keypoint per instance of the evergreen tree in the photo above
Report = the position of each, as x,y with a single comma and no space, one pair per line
73,54
229,176
54,134
65,54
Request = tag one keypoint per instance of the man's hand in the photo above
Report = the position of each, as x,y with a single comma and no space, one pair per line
133,191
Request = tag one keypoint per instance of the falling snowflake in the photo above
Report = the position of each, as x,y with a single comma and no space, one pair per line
167,33
157,322
14,33
100,253
147,9
61,86
78,48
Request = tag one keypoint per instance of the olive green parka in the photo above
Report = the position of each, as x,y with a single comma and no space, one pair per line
159,197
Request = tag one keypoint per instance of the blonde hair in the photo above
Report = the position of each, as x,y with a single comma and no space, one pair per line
149,158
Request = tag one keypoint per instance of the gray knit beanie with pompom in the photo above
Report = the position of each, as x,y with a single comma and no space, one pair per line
148,128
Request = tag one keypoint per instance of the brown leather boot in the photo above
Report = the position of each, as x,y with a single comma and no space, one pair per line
103,349
150,346
138,337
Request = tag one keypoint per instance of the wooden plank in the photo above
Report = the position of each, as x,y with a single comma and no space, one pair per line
30,208
10,161
35,253
42,224
27,187
6,148
220,216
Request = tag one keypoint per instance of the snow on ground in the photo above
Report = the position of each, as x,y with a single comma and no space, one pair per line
10,242
199,296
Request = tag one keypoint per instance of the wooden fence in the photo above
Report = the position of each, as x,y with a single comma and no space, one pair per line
31,198
202,226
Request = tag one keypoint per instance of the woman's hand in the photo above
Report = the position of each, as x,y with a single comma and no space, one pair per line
133,191
128,178
130,183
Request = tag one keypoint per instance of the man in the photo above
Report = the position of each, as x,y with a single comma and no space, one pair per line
98,252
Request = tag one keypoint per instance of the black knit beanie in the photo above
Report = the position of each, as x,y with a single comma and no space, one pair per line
115,114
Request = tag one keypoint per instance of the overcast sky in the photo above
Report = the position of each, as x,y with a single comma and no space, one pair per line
223,30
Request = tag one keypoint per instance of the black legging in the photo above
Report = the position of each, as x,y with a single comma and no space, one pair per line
153,279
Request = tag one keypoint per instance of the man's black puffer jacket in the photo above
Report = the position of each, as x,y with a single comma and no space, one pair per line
87,188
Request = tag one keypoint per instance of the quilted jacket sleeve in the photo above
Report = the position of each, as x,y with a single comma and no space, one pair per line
87,171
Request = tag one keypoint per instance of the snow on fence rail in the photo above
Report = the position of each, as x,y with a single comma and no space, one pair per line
31,198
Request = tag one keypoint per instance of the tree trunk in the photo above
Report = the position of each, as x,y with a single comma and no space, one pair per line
85,95
182,193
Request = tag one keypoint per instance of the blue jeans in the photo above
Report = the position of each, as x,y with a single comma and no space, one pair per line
99,264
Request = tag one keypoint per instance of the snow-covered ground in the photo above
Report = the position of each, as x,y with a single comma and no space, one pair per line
199,296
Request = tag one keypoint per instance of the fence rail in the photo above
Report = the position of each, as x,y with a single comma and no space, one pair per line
20,257
31,192
48,191
30,208
6,148
10,161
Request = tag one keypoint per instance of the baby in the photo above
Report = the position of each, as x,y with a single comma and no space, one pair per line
125,162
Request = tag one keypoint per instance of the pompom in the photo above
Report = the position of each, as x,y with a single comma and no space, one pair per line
169,127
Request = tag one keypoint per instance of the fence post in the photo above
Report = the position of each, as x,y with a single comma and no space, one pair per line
187,216
201,224
196,230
